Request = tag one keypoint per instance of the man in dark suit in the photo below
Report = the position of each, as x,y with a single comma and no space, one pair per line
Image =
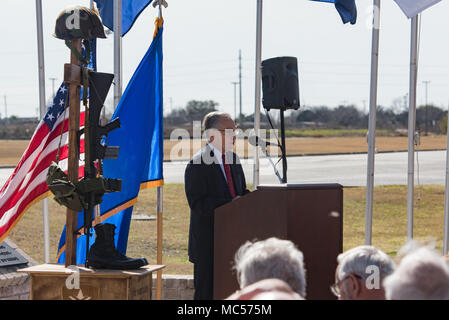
213,177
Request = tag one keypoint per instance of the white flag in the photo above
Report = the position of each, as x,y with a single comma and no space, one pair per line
413,7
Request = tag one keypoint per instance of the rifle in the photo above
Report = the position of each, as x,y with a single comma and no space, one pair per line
94,185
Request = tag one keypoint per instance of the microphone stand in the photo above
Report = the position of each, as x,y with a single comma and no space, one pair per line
264,149
281,144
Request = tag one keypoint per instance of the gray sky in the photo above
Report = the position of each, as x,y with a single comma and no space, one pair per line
201,43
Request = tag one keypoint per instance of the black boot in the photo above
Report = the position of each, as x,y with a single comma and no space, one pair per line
104,255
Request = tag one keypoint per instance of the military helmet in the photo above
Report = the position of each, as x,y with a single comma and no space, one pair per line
78,23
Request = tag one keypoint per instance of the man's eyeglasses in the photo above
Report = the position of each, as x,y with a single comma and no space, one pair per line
234,132
335,288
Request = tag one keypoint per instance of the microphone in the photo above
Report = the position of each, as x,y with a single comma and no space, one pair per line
256,141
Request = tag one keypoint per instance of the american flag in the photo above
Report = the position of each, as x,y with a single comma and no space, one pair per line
27,184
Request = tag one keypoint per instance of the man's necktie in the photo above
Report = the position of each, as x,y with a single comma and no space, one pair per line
227,169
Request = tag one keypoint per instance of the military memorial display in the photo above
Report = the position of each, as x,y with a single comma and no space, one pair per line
85,194
107,273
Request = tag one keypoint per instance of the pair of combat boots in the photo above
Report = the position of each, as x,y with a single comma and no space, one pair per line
104,255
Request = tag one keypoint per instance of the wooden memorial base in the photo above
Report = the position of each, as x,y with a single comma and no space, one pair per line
56,282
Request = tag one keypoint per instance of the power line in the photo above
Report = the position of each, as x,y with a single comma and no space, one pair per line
201,63
196,72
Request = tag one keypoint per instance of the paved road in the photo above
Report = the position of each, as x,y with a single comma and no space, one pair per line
348,170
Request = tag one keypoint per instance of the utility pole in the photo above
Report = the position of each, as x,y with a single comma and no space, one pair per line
427,107
171,108
240,84
53,85
235,99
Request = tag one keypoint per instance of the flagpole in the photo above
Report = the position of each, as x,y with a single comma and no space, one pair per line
117,51
159,210
412,124
446,199
160,194
256,170
42,107
372,123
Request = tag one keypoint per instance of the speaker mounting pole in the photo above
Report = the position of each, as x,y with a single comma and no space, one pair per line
283,149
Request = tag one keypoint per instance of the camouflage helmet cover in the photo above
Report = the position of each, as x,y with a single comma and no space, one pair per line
78,23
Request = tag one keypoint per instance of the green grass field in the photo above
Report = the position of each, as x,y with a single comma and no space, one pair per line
389,223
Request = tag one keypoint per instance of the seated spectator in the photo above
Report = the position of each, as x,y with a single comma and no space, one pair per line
360,272
421,275
271,259
268,289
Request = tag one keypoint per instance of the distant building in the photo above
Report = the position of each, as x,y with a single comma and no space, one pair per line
17,120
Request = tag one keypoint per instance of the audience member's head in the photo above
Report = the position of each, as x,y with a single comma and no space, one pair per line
360,273
268,259
268,289
421,275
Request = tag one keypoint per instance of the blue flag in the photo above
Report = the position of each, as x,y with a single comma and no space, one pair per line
131,9
93,54
346,8
92,59
140,139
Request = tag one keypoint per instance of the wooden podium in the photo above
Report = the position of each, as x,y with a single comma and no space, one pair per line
49,282
309,215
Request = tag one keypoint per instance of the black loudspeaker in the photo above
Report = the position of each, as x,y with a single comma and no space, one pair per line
280,83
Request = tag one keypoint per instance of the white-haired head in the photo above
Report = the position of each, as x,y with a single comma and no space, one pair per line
422,275
364,261
271,258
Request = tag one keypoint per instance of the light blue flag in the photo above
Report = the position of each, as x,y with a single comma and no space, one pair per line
412,8
131,9
346,8
140,139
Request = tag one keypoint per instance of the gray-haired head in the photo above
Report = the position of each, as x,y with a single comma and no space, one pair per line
271,258
421,275
365,261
